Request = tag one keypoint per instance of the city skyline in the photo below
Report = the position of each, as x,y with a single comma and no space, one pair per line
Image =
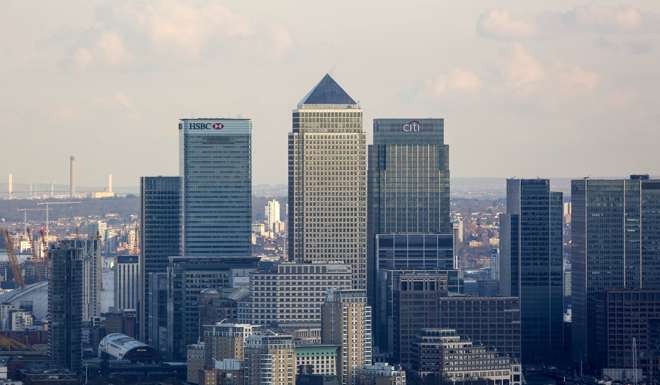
554,67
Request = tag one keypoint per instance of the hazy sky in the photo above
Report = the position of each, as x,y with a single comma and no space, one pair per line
527,88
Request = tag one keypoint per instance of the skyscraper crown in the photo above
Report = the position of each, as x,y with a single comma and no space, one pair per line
327,91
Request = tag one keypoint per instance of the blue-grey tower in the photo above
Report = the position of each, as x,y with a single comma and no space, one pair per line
409,227
531,265
615,244
160,238
216,186
65,303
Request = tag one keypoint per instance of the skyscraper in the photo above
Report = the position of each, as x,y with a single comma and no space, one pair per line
346,322
272,214
160,229
531,265
126,282
327,180
615,231
216,179
409,227
65,303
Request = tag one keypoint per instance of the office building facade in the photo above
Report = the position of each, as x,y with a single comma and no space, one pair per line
384,322
127,278
531,265
346,322
327,181
216,186
160,229
627,331
615,231
449,357
291,294
187,278
65,303
421,301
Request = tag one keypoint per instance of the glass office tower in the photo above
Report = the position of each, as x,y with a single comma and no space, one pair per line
409,226
531,265
615,230
216,186
160,229
328,181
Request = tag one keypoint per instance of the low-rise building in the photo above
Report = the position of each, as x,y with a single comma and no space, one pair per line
448,356
381,373
318,359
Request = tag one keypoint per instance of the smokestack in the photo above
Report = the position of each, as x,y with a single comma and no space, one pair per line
10,184
72,185
110,183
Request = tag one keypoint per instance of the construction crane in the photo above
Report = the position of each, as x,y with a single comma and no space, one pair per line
13,261
48,204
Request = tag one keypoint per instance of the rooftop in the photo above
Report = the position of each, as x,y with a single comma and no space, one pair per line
327,91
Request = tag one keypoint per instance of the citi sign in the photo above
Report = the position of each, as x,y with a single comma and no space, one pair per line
205,126
412,126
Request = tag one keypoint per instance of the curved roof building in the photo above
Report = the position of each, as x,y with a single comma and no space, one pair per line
119,346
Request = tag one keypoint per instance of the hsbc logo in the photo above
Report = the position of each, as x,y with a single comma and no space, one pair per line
412,126
205,126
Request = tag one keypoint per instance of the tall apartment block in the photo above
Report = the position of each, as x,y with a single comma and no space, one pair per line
65,303
272,214
160,229
270,359
615,230
290,295
92,277
187,277
327,181
216,186
409,226
346,322
531,265
127,278
421,301
225,340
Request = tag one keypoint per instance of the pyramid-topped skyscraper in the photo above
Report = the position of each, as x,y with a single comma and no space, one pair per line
327,180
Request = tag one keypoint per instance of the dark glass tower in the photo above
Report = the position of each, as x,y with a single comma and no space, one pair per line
615,228
216,186
160,225
409,226
531,265
65,292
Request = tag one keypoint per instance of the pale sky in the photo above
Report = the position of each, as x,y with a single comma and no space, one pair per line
527,88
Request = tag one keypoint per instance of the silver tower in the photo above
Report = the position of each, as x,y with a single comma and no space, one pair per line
327,181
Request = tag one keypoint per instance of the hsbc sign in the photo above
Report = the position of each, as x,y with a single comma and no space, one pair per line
412,126
205,126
